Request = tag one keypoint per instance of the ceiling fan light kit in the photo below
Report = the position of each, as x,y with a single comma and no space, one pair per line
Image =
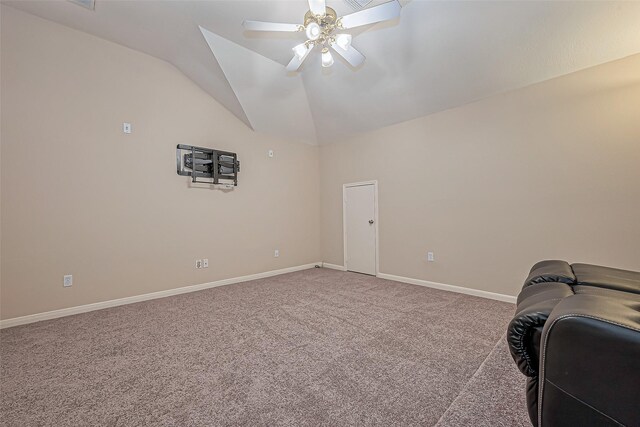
320,26
327,58
313,31
344,41
301,50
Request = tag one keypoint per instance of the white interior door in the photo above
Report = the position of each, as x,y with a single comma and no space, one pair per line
360,224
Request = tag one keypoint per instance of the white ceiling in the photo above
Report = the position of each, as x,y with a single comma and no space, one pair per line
438,55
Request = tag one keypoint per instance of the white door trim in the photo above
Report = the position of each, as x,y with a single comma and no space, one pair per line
375,220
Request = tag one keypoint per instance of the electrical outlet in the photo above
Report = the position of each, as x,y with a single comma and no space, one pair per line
205,263
430,257
68,281
276,253
126,127
198,263
270,153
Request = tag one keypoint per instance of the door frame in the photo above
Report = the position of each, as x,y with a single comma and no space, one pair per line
375,220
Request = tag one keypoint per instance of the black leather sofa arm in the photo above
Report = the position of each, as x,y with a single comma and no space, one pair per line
590,367
535,304
550,271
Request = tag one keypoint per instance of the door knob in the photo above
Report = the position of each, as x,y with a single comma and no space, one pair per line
370,221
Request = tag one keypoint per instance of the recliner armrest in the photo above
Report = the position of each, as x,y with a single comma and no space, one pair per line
550,271
590,362
525,330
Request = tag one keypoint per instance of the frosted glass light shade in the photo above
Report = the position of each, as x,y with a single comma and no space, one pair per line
313,31
327,59
344,41
300,51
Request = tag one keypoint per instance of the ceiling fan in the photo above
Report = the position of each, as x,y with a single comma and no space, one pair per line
322,27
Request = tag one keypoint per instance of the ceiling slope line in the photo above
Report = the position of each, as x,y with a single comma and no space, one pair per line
274,102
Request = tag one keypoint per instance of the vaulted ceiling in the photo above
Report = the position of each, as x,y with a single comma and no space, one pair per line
437,55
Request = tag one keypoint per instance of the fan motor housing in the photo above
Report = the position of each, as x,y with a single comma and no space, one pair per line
328,19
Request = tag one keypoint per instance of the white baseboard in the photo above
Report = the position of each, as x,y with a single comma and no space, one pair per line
451,288
32,318
334,266
23,320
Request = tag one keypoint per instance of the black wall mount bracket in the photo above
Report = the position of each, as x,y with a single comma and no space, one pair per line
206,165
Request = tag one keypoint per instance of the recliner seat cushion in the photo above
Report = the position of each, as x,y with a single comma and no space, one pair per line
607,277
612,293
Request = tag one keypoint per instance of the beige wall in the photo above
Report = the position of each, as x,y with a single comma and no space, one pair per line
549,171
80,197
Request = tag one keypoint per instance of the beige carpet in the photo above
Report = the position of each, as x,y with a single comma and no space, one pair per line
316,347
494,397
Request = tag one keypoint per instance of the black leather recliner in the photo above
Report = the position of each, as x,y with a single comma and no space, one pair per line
576,336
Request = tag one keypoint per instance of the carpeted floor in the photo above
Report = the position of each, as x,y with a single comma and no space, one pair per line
316,347
494,397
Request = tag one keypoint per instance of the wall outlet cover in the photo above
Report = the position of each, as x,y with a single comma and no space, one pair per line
68,280
276,253
205,263
198,263
430,257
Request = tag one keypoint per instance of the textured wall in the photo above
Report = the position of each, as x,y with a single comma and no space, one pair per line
80,197
549,171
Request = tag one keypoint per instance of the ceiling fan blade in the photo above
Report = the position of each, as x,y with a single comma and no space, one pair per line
380,13
318,7
297,61
270,26
351,54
